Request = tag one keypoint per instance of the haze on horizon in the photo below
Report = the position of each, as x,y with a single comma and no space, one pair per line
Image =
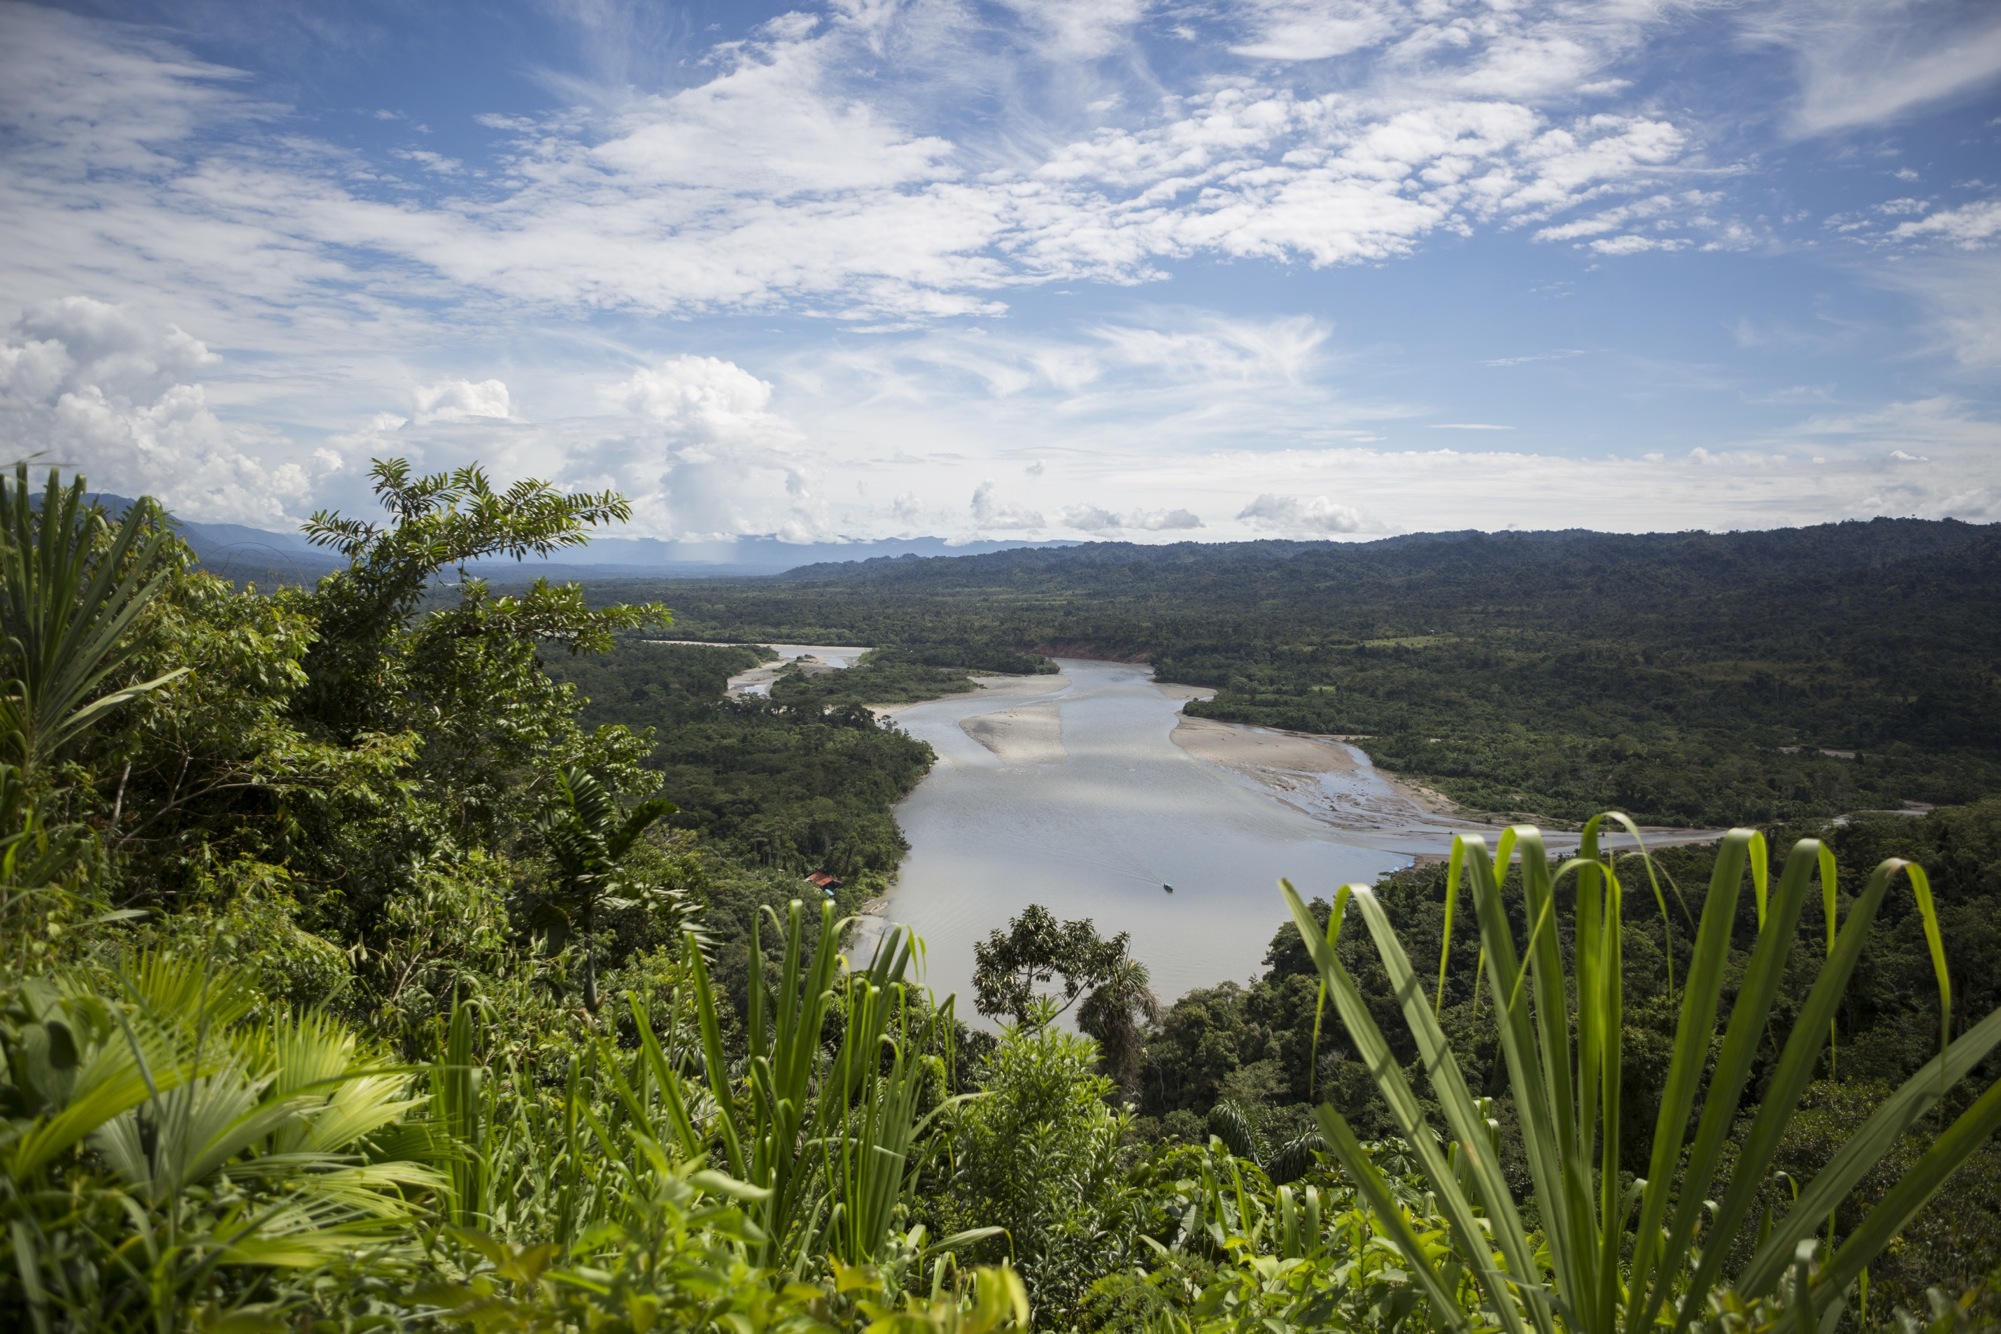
1040,269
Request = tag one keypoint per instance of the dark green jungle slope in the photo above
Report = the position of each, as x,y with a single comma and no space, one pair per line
1688,678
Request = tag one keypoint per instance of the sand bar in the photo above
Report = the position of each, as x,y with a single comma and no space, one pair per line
1241,746
1334,782
1032,734
995,688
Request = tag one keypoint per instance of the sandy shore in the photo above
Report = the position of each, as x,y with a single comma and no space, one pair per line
991,688
1333,782
1243,747
1324,778
1032,734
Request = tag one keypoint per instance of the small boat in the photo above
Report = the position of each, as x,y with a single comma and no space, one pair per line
1168,888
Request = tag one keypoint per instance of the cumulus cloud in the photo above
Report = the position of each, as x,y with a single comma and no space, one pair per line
991,515
1095,519
1091,519
99,388
1302,514
702,454
1160,521
461,401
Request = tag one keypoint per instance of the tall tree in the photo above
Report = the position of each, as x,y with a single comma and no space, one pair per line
1117,1013
357,673
1010,967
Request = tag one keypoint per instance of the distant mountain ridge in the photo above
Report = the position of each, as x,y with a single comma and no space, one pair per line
1717,559
237,551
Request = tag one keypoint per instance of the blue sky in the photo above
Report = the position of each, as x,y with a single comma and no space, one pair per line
1033,269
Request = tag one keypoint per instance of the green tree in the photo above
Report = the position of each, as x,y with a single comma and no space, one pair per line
1117,1014
441,521
1038,1154
1009,966
71,589
588,839
461,681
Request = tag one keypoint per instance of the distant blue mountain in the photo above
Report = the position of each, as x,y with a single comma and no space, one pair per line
629,556
257,555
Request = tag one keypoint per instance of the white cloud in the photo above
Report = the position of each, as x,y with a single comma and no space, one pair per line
1302,514
1863,62
883,170
991,515
1632,244
1213,348
1969,227
706,398
1164,521
701,454
789,179
1960,294
1095,519
1079,29
1090,519
460,401
99,389
1303,30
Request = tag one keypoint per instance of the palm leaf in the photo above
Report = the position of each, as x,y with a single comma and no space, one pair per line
67,605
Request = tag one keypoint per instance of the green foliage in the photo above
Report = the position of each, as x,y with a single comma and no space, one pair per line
1037,1155
1036,949
168,1163
829,1149
588,838
71,589
354,676
1242,1255
1560,1029
299,1001
882,676
801,782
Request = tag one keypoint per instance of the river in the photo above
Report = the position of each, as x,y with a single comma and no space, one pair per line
1070,791
1093,811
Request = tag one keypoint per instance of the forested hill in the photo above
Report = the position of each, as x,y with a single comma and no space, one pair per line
1694,677
1554,577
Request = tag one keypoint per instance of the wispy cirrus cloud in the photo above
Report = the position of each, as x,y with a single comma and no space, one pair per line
1864,62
